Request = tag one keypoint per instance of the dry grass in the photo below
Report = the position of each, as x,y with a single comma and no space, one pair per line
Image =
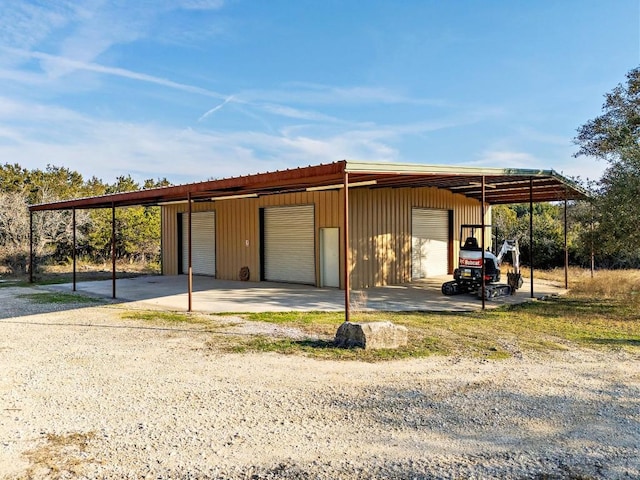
612,284
85,272
575,275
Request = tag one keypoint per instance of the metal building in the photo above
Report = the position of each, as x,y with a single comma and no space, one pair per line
345,224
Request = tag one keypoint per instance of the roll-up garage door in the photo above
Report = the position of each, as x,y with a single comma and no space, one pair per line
203,243
429,242
289,247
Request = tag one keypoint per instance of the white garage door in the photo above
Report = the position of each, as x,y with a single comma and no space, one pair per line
203,243
429,242
289,247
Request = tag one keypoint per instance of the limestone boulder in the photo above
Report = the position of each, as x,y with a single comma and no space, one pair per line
371,335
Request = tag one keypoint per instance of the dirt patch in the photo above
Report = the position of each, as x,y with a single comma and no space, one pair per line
60,456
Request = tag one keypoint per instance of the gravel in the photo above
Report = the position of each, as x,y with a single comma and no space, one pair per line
86,394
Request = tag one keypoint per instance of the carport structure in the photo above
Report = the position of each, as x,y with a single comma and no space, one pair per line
478,187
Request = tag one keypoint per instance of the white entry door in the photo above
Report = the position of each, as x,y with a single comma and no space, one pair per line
330,257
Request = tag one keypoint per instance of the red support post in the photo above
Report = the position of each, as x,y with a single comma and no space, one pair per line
73,254
482,223
31,259
531,231
189,258
566,245
113,249
347,252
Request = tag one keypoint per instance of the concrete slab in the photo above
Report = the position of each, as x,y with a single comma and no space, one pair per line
226,296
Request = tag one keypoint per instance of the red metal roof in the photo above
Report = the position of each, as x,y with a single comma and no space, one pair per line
501,185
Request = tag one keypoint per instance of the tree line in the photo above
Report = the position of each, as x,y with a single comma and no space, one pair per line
137,228
606,224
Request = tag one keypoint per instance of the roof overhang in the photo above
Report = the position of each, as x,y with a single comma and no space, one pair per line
502,186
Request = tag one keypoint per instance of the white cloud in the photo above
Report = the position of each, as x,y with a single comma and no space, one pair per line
290,112
317,94
68,64
25,24
34,135
498,158
82,31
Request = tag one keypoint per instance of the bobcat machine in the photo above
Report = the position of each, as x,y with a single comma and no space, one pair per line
467,278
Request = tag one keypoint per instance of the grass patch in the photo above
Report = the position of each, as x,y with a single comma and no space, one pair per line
320,349
57,298
540,326
601,313
160,317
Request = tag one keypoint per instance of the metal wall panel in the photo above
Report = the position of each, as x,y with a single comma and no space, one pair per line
289,244
429,242
380,230
238,234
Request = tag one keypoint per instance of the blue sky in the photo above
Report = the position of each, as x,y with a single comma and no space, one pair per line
198,89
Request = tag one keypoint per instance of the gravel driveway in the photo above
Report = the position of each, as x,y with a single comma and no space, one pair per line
85,394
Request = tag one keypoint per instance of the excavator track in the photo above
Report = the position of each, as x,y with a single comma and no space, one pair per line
495,291
451,288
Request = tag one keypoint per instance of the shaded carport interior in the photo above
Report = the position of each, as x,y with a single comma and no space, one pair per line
489,186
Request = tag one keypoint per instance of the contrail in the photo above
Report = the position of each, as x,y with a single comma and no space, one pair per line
118,72
215,109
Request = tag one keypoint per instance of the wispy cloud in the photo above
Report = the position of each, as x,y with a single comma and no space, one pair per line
296,113
83,31
108,149
318,94
505,157
25,24
115,71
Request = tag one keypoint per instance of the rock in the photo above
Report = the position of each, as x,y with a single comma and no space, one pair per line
371,335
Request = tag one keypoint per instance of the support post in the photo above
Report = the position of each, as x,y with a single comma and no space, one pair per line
566,245
482,223
347,252
531,232
593,262
31,259
189,258
73,253
113,249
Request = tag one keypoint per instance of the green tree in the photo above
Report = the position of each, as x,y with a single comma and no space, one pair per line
614,137
137,229
512,222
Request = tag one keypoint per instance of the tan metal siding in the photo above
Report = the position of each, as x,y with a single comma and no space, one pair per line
380,230
169,240
238,241
238,229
